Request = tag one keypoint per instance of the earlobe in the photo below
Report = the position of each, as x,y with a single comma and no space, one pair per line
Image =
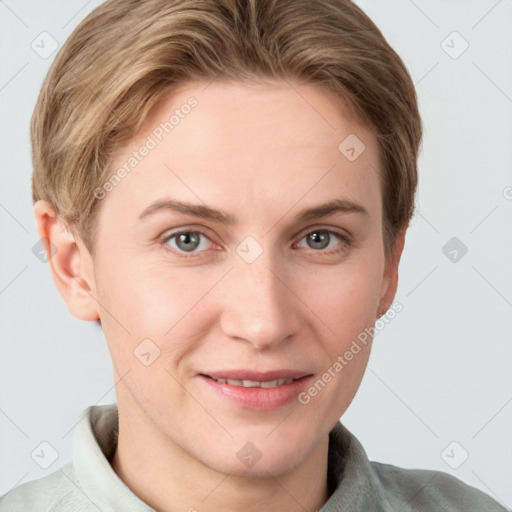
70,262
390,278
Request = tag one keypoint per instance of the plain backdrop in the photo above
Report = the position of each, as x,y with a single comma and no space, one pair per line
437,393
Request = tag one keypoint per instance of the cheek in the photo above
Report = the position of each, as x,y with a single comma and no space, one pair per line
346,303
345,300
144,299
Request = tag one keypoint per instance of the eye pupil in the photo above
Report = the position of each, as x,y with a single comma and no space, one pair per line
320,238
186,238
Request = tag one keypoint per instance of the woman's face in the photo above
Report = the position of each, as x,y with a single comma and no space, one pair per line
263,286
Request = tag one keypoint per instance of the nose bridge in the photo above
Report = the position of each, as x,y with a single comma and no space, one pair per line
258,305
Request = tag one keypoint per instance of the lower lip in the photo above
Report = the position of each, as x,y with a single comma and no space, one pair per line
259,398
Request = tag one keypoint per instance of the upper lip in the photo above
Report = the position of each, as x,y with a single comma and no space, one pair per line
245,374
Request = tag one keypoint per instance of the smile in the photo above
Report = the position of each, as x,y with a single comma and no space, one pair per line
271,391
255,384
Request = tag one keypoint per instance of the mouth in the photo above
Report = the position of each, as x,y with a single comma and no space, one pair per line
257,390
252,383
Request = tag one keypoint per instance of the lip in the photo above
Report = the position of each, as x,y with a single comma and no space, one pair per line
257,398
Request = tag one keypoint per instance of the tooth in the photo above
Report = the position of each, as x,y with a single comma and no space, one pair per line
234,382
250,383
255,384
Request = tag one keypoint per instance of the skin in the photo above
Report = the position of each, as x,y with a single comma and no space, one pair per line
261,152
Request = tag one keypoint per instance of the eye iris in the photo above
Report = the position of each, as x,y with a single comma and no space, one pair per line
320,238
186,238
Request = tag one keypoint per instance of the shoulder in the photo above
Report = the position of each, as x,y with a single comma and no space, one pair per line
56,491
367,485
428,490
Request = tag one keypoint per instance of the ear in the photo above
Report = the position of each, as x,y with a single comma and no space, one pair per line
70,262
390,277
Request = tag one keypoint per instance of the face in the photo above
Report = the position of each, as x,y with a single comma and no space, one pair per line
242,271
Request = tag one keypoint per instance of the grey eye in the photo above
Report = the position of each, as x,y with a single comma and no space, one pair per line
187,241
318,239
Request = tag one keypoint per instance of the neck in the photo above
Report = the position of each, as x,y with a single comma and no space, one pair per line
169,479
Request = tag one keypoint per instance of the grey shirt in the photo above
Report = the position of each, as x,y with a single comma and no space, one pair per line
89,484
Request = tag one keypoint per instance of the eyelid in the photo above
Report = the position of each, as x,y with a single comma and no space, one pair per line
185,229
342,233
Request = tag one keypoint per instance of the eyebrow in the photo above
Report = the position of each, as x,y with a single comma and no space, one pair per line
205,212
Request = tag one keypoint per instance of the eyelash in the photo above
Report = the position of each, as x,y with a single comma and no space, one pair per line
344,238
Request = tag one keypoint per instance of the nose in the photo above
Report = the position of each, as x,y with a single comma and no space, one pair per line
259,305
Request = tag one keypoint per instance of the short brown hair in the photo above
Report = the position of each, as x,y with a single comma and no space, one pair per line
126,55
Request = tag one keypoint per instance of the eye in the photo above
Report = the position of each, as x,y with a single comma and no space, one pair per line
192,242
325,239
187,241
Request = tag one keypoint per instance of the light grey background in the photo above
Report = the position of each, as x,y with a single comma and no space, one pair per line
439,372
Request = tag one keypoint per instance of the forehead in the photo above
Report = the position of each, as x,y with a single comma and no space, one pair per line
224,112
249,144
